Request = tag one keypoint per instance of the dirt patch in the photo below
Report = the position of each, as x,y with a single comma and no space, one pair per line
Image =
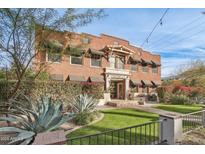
196,137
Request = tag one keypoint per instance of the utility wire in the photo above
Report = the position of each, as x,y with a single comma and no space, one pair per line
174,37
158,41
188,37
159,22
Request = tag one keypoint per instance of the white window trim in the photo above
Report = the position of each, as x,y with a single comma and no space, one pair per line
95,66
155,72
77,64
51,61
133,70
145,71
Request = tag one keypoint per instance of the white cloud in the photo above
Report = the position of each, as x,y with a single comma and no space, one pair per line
170,66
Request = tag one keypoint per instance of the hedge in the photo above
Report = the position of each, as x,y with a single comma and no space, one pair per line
58,90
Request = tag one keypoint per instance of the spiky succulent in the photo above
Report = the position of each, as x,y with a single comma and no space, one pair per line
43,117
84,103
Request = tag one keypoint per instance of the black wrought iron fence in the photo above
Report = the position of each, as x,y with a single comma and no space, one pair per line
193,121
147,133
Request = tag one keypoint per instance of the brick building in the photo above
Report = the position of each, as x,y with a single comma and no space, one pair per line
122,67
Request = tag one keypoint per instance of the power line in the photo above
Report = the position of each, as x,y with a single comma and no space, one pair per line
182,33
159,22
188,37
178,29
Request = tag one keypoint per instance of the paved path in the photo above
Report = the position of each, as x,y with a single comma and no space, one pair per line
147,108
157,111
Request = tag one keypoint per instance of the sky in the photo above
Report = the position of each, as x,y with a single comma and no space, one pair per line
179,40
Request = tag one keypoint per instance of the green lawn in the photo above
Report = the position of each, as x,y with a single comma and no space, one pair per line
180,108
119,118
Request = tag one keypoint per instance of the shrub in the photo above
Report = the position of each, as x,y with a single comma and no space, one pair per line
57,90
85,108
179,99
183,89
43,76
152,97
161,93
86,118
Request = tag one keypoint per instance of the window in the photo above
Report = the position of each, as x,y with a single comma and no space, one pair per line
54,57
78,60
134,67
144,68
120,62
154,70
96,60
86,40
117,62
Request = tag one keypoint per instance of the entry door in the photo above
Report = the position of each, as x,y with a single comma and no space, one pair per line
120,91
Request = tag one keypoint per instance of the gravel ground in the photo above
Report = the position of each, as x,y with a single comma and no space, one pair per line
196,137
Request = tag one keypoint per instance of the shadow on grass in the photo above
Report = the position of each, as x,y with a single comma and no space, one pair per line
146,134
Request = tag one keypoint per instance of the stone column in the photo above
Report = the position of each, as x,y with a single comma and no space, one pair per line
127,87
171,129
203,117
107,84
107,88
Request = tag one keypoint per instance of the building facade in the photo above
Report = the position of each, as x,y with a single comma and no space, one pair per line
123,68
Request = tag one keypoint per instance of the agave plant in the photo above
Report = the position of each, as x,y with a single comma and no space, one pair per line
84,107
43,117
84,103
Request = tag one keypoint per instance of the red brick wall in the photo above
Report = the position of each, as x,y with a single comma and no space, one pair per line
98,43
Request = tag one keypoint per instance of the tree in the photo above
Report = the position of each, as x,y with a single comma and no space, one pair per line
18,33
193,74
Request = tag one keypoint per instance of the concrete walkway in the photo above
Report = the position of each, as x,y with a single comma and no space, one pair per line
150,108
146,107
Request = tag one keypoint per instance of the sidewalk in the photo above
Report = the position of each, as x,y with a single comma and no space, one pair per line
150,108
146,107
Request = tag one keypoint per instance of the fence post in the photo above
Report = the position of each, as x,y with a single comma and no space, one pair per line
171,129
203,118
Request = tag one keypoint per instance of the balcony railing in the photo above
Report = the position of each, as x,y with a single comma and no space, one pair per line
110,70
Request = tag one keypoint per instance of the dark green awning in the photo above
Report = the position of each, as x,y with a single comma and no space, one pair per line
96,79
57,77
135,59
53,46
77,78
75,51
156,83
146,61
136,82
147,82
155,63
96,52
